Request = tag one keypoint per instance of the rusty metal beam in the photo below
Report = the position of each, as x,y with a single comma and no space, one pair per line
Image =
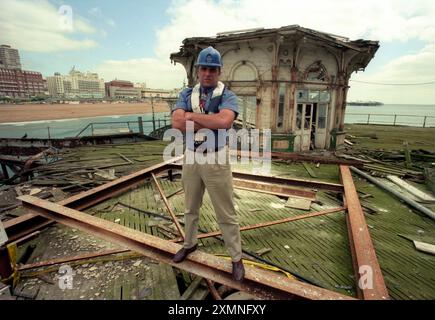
363,253
271,223
56,261
274,189
313,184
261,283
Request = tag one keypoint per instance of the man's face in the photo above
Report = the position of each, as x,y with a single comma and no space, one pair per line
208,76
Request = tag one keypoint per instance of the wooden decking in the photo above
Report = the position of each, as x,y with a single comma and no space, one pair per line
315,249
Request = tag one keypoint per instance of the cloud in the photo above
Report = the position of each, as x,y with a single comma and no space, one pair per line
387,21
39,27
408,69
98,13
155,72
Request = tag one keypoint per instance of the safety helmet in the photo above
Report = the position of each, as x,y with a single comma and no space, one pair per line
209,57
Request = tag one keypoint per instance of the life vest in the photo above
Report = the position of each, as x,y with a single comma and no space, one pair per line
213,107
215,100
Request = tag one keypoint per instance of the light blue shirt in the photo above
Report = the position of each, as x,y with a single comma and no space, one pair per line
228,101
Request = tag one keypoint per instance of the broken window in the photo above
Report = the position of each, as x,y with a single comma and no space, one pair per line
299,117
314,95
302,95
316,72
321,123
307,122
325,96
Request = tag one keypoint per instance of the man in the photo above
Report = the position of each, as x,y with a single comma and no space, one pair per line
209,105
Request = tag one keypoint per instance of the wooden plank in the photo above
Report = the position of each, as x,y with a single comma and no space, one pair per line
424,197
192,288
298,203
309,170
425,247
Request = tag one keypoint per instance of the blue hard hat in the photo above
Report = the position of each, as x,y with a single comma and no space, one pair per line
209,57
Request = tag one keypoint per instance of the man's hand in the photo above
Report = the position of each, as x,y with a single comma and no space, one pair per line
179,118
188,116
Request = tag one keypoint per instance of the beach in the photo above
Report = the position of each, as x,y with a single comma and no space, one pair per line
38,112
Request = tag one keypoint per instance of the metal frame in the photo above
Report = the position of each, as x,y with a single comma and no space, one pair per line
205,265
261,283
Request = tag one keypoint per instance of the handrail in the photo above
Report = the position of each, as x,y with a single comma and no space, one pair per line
394,117
159,121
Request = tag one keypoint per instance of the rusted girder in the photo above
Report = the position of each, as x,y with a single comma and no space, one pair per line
261,283
313,184
274,189
370,282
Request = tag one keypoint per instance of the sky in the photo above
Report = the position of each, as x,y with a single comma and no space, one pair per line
132,39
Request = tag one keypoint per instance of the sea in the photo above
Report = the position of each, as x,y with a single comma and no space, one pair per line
66,128
400,114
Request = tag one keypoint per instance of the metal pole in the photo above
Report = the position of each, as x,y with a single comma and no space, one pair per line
395,117
410,202
424,122
368,119
92,129
139,122
48,129
152,107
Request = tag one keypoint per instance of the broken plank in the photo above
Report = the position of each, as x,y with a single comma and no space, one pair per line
309,170
298,203
271,188
192,288
425,247
263,251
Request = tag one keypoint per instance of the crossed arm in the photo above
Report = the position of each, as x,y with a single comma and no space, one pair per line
221,120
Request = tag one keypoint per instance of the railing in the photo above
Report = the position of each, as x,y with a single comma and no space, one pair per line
129,125
390,119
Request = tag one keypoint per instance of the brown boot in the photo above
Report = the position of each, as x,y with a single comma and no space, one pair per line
183,253
238,271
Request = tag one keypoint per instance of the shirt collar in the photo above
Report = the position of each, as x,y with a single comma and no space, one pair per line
207,90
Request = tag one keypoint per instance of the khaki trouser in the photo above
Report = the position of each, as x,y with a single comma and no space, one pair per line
218,180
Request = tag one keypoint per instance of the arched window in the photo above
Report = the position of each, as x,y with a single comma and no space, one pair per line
244,71
316,72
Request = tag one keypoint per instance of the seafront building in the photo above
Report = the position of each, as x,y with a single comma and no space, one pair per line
76,85
122,89
15,82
